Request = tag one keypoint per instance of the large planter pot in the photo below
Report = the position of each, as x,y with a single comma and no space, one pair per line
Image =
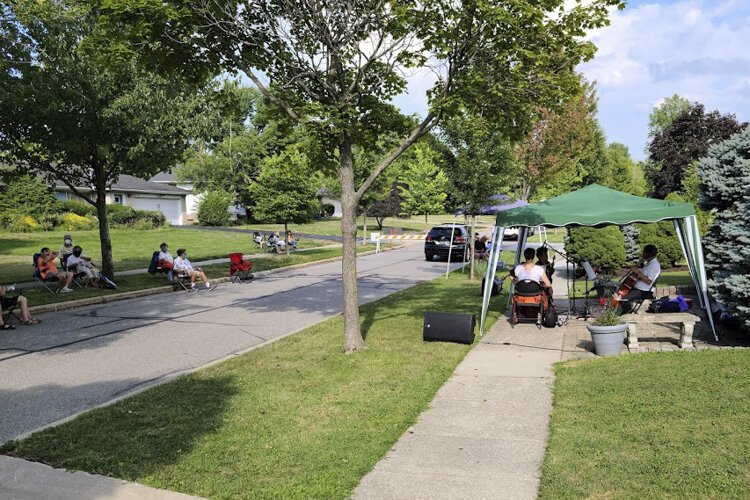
608,340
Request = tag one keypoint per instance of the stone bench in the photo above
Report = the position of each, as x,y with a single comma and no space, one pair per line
686,320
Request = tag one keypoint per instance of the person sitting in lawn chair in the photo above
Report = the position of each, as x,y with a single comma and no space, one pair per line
7,304
183,266
275,244
66,250
258,239
291,241
80,264
45,265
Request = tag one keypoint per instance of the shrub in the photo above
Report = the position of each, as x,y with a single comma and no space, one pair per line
16,222
662,234
121,215
150,217
143,224
75,222
28,195
79,208
603,247
214,209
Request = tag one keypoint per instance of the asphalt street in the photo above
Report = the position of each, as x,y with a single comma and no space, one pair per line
77,359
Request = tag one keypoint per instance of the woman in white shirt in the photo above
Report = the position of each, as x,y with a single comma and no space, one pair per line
530,271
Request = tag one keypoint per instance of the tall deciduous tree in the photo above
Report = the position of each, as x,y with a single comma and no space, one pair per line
424,184
662,116
725,176
564,150
688,138
335,65
285,190
621,172
64,115
482,164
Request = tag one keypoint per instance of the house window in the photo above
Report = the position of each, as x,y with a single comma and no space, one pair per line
118,199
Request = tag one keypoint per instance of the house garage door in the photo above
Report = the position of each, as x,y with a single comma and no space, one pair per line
170,207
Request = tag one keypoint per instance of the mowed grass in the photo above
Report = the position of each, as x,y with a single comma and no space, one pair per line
661,425
38,296
131,249
294,419
332,227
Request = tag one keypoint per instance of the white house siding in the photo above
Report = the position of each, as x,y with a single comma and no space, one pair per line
337,212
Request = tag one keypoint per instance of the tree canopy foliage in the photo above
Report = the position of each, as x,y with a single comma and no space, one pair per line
68,117
687,139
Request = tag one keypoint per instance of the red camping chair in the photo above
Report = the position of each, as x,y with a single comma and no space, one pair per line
529,302
239,269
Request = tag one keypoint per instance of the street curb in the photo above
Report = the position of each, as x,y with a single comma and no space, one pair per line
145,292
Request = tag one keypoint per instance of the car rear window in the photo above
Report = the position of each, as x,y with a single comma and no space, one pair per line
444,232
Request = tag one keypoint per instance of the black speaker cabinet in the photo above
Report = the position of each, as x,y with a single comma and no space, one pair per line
448,327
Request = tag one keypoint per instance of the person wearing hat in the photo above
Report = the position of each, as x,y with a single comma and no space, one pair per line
66,250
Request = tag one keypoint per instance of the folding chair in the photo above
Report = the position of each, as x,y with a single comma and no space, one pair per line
181,280
80,279
528,297
154,268
11,312
47,282
239,269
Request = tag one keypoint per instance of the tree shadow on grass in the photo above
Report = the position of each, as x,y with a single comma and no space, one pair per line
137,436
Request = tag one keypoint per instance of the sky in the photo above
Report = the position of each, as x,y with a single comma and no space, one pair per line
699,49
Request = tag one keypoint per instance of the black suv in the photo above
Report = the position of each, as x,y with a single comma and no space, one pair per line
438,242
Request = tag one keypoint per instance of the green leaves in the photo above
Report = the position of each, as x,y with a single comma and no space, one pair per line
425,184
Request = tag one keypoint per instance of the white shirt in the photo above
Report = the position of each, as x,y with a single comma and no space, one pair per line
183,263
74,261
165,256
652,269
535,274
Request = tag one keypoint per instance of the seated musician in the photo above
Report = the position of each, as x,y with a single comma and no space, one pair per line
530,271
644,279
542,259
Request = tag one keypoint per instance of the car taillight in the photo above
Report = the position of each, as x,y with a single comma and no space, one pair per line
460,239
428,239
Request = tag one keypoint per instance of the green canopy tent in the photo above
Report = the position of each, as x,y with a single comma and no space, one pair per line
599,206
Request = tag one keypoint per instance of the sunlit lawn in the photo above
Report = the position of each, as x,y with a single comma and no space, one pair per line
295,419
131,249
659,425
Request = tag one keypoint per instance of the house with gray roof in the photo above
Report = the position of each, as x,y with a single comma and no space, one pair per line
141,195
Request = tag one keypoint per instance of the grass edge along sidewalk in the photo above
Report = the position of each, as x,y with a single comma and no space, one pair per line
296,418
655,425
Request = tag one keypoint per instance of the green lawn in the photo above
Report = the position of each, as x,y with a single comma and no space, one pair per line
39,296
295,419
131,248
661,425
332,227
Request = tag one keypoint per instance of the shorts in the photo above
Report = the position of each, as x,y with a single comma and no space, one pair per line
8,302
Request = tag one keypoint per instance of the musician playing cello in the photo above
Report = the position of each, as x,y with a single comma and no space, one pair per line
644,278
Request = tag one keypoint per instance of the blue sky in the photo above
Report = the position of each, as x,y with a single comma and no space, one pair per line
699,49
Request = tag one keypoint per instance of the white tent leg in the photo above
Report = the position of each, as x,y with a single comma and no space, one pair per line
497,237
450,247
695,241
690,260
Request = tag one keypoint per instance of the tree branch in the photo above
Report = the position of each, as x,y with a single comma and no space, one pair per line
279,102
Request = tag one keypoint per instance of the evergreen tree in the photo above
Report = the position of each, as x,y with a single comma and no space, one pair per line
632,249
725,176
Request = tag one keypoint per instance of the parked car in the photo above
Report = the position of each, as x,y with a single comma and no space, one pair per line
511,233
438,242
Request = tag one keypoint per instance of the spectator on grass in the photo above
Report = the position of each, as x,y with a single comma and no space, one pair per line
7,303
66,250
291,241
48,271
165,260
183,265
79,263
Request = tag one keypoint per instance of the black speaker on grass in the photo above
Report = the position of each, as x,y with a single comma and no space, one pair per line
448,327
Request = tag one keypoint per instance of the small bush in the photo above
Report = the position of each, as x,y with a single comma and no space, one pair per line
152,217
79,208
603,247
28,195
662,234
75,222
16,222
214,209
143,224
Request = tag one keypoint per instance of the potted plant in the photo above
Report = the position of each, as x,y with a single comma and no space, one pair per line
608,331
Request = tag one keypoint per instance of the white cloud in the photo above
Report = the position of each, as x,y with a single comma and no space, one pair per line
694,48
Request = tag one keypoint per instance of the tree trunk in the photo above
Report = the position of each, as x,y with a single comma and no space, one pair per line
380,223
471,237
286,237
100,185
353,340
